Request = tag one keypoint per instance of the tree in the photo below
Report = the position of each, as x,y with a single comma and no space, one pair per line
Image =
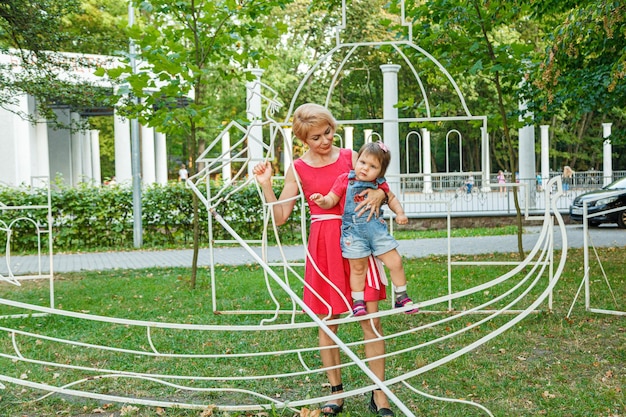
578,82
483,40
34,33
184,49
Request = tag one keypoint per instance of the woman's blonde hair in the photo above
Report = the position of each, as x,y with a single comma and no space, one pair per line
309,116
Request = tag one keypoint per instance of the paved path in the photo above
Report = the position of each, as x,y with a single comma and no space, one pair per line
605,236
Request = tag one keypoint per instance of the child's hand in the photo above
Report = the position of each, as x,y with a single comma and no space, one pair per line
317,198
402,219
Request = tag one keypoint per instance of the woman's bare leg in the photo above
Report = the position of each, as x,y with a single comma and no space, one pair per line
330,358
375,349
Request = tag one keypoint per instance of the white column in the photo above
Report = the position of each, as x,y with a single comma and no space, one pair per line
21,138
390,126
526,157
160,153
85,140
123,168
254,112
76,149
607,149
484,140
148,169
94,138
288,151
348,137
227,174
41,158
545,154
428,182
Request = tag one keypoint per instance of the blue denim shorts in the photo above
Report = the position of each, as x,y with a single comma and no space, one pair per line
360,240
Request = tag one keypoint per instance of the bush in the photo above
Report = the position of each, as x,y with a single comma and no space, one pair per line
88,218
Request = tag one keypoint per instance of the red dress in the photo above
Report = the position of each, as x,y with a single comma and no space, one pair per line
324,243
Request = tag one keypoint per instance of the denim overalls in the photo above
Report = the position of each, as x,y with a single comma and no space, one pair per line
360,238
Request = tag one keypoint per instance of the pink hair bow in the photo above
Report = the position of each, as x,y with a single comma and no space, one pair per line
383,146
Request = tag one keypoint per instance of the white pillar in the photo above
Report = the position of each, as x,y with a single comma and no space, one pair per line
41,158
85,141
148,169
21,138
123,169
254,112
226,168
76,149
288,151
526,157
428,182
348,137
607,150
160,156
545,154
391,136
94,138
484,140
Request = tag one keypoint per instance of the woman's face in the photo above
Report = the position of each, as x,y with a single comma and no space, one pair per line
320,139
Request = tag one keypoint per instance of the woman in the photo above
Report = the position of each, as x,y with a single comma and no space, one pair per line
317,170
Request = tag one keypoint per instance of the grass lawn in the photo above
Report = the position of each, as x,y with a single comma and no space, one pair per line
547,365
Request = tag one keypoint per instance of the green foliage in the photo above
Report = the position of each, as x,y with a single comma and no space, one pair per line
34,33
89,218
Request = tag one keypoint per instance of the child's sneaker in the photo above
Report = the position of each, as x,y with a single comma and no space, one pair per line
406,301
358,308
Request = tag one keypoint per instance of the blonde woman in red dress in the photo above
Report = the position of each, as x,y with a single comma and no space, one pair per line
317,170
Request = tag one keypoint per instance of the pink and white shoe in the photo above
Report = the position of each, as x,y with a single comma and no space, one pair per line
358,308
406,301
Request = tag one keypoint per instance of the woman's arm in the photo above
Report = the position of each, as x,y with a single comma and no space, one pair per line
282,211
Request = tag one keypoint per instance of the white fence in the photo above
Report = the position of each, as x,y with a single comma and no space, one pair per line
484,199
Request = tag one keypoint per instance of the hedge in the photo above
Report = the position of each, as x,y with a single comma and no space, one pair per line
88,218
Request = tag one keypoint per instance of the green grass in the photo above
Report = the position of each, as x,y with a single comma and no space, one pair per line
547,365
460,232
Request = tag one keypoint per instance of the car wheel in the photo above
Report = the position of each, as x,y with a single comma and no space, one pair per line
621,219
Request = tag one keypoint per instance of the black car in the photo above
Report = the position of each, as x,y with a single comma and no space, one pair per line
606,198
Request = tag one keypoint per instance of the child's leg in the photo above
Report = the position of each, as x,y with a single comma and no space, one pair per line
358,272
393,262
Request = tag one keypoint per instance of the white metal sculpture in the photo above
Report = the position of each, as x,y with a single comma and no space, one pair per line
238,373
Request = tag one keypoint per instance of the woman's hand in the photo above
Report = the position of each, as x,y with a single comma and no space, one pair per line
263,172
372,200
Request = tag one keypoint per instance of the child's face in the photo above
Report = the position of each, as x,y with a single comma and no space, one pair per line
367,167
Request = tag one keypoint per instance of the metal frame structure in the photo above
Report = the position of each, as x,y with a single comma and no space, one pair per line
522,290
587,268
40,231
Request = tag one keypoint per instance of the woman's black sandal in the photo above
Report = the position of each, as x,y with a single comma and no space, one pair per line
335,408
381,412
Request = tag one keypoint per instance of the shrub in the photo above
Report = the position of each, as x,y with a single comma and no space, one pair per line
88,218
